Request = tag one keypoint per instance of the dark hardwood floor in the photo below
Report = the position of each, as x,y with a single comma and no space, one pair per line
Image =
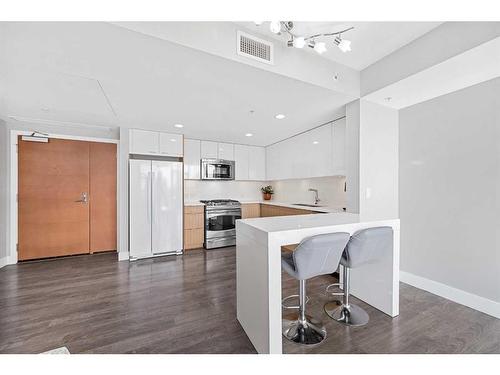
187,304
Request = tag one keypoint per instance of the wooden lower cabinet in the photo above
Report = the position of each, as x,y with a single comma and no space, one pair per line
267,210
193,227
250,210
194,219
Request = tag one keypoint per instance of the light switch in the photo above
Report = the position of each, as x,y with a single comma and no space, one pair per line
368,193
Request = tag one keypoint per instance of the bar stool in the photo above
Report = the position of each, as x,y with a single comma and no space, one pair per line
364,247
314,256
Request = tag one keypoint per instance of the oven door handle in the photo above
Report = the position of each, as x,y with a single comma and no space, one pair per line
215,214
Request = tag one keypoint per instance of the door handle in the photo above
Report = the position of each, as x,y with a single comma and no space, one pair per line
83,198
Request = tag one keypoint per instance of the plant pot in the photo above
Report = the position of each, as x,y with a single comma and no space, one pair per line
267,196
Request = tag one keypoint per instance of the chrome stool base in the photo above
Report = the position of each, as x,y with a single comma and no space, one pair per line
351,315
309,332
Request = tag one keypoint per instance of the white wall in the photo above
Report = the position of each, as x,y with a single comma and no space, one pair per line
4,227
450,195
378,162
195,190
330,190
352,155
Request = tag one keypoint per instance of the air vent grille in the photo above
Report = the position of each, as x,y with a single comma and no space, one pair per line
255,48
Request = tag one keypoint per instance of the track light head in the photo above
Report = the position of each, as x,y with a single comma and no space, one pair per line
343,44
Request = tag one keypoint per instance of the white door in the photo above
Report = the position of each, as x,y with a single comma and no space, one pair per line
209,150
167,207
171,144
192,159
241,162
140,208
143,142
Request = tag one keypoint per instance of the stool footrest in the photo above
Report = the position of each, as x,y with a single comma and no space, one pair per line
334,285
284,300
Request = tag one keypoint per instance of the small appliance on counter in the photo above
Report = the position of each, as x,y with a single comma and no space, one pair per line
220,222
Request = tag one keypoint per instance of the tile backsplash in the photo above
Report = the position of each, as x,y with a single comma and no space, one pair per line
331,190
194,190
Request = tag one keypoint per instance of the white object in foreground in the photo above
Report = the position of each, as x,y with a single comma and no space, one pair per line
258,270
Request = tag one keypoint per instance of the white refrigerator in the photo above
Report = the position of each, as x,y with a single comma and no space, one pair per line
155,208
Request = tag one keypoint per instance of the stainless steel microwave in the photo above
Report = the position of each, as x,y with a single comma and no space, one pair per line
217,169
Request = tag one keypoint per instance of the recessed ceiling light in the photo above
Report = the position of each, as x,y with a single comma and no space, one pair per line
172,140
248,135
280,116
388,99
178,125
315,142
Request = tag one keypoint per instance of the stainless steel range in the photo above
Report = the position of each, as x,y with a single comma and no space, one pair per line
220,222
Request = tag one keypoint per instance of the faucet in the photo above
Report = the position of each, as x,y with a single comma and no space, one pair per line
316,197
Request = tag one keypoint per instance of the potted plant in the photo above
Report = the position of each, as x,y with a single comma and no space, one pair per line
267,192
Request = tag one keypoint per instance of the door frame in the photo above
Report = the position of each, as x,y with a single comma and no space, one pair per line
13,212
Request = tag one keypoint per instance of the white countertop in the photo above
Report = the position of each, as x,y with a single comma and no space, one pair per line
297,222
323,209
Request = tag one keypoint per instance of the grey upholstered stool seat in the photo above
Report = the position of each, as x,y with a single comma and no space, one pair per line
314,256
365,247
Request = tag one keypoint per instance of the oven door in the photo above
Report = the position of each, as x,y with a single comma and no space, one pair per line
221,223
213,169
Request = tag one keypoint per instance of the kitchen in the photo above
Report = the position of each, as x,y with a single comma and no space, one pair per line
222,181
165,211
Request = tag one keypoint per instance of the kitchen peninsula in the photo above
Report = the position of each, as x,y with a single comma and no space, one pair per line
258,270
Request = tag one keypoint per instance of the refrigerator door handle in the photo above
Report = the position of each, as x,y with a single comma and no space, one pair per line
149,200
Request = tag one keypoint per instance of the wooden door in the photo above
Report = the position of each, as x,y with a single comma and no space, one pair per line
53,219
102,200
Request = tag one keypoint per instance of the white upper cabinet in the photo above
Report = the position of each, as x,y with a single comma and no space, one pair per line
318,152
171,144
192,156
315,153
209,150
144,142
339,147
147,142
241,162
256,163
225,151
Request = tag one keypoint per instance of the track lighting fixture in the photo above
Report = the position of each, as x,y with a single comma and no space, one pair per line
297,41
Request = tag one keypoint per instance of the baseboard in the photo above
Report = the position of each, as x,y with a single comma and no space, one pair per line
3,261
123,255
473,301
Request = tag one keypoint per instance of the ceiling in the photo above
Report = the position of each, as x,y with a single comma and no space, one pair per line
371,41
103,75
479,64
